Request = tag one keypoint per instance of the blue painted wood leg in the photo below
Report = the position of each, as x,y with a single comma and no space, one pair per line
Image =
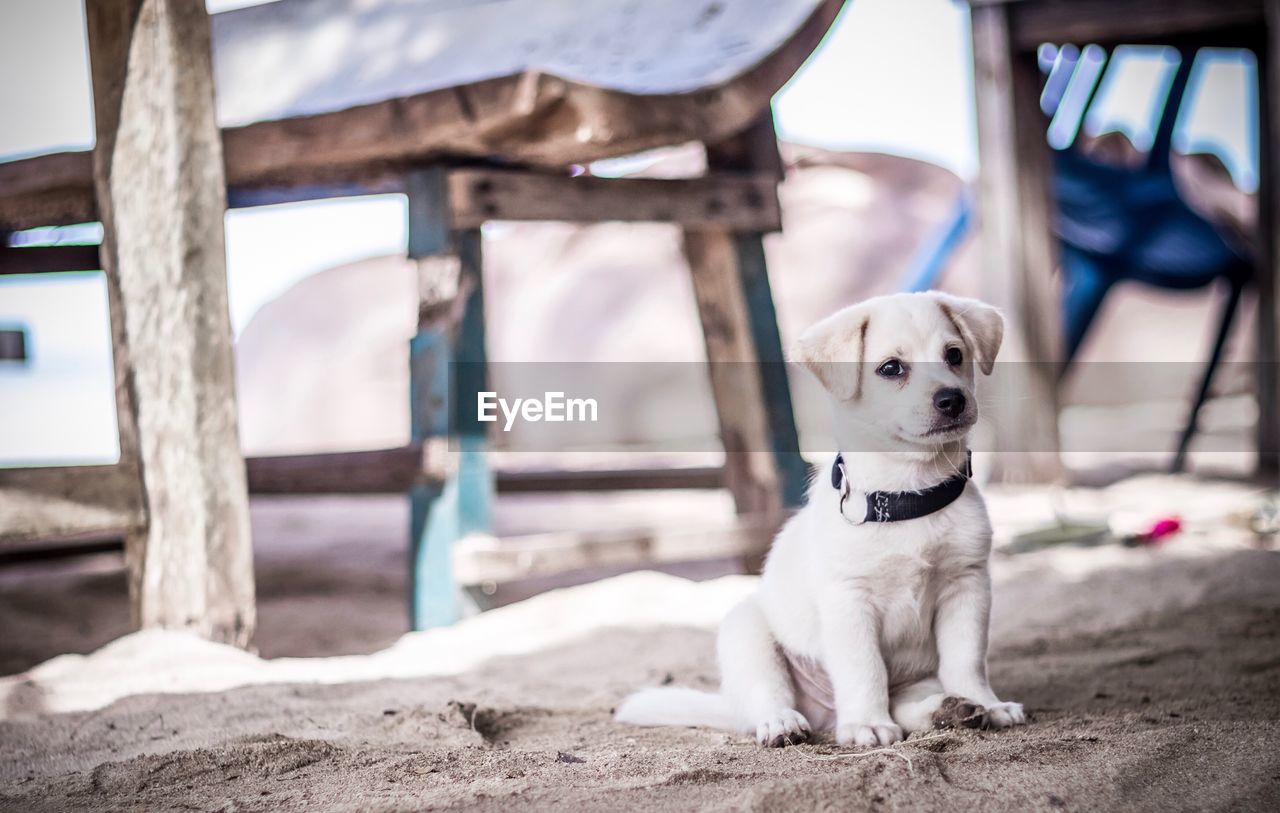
441,515
754,274
447,369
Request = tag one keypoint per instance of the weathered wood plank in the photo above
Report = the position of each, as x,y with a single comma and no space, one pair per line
361,181
754,150
1268,277
48,259
76,545
47,190
1019,249
763,469
751,472
381,471
57,189
64,502
482,195
734,203
1107,22
394,471
68,501
161,194
479,558
40,174
537,482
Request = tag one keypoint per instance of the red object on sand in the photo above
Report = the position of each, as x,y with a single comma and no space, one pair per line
1162,528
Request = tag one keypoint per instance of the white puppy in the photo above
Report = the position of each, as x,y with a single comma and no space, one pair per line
872,612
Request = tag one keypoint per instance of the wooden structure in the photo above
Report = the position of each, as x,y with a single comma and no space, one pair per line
1014,186
475,112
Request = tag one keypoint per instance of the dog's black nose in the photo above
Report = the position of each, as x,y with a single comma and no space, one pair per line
949,402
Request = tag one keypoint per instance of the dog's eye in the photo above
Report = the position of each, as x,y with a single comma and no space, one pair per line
954,356
890,369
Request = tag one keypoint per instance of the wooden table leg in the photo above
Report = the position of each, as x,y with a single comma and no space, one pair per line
762,317
158,173
447,368
1019,248
1268,279
763,467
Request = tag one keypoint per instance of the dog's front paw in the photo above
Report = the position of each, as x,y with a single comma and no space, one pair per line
957,712
886,733
783,727
1004,715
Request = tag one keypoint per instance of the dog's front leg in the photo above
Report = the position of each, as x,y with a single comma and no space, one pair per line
851,651
960,628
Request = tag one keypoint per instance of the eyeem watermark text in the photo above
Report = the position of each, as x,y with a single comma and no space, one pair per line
553,407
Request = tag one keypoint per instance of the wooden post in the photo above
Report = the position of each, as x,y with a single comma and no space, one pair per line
446,369
1019,247
751,472
1268,277
763,467
161,194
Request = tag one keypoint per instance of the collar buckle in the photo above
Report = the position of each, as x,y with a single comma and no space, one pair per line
840,478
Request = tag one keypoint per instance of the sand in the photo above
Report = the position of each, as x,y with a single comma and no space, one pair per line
1153,679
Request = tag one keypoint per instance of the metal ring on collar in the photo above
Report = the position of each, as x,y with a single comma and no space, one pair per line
847,492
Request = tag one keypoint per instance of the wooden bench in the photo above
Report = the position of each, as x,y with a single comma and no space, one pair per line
475,112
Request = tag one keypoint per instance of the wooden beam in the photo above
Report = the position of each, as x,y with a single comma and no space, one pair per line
395,471
1268,277
541,482
383,181
734,203
1109,23
480,558
161,194
755,149
478,196
383,471
73,502
48,259
47,190
68,501
1019,249
57,189
46,549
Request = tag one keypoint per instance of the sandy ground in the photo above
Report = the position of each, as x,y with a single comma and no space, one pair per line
1153,677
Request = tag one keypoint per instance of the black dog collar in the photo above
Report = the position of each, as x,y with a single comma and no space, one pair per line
896,506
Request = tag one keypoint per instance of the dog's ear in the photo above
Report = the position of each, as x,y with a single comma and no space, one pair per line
979,324
834,351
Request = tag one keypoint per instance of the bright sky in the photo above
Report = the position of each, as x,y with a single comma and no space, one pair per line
893,76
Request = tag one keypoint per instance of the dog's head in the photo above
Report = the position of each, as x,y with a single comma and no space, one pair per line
900,369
